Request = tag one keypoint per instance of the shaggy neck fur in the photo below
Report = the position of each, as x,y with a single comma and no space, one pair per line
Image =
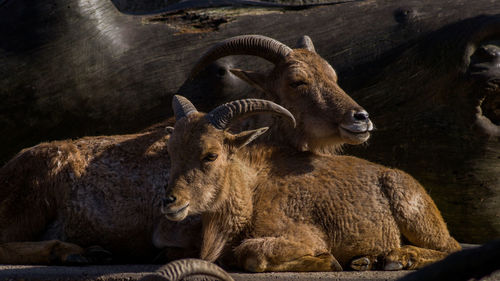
233,215
281,134
231,219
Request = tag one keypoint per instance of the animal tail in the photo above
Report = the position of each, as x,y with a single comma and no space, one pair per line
180,269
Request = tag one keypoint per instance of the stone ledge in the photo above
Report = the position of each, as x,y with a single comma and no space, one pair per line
134,272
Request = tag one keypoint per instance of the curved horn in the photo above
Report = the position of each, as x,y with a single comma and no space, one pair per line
180,269
305,42
182,107
254,45
223,115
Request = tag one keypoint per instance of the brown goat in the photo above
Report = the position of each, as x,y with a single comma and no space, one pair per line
61,196
103,190
305,84
276,209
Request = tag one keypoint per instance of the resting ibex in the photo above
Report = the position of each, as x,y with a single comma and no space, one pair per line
65,196
95,190
326,119
276,209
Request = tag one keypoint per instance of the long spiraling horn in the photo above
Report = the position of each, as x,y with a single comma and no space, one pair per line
180,269
254,45
222,116
182,107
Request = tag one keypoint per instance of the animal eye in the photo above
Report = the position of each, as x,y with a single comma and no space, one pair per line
210,157
296,84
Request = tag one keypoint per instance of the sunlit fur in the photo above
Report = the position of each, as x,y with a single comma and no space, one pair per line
55,190
318,103
272,208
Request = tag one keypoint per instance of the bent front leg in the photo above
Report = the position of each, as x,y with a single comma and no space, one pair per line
281,254
365,263
411,257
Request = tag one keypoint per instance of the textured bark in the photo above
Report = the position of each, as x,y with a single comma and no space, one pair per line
437,107
74,68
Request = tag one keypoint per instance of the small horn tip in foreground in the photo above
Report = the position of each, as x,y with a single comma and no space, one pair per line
182,107
179,269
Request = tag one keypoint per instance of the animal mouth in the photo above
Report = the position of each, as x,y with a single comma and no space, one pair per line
177,214
356,133
349,131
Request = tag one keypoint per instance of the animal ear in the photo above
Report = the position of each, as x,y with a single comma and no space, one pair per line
246,137
305,42
257,80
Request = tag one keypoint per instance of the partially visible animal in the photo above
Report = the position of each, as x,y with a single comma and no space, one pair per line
60,198
272,208
180,269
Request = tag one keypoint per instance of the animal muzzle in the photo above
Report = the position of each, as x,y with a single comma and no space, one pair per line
357,122
174,209
356,127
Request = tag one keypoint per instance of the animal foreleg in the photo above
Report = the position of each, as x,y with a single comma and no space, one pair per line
281,254
365,263
411,257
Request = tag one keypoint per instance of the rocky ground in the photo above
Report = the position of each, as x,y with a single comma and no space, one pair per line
134,272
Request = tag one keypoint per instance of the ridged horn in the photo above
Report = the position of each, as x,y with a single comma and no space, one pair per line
222,116
253,45
179,269
305,42
182,107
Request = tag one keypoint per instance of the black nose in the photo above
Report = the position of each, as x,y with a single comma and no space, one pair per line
361,116
169,200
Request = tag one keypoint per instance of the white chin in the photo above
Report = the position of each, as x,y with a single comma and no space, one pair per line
178,216
354,138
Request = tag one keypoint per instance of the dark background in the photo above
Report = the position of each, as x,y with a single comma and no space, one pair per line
87,67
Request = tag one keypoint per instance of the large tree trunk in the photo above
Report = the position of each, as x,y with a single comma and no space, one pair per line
74,68
436,106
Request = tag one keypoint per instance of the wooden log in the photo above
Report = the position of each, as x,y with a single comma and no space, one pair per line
437,111
84,68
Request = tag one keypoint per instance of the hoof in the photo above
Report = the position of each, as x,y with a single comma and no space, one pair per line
362,264
336,266
97,255
393,266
